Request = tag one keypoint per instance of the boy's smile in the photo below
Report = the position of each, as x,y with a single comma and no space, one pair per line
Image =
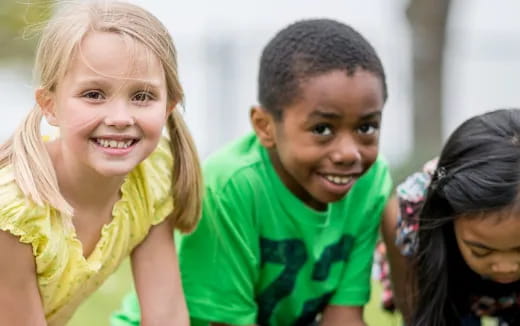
328,137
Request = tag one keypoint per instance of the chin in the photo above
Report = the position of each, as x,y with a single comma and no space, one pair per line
505,280
120,171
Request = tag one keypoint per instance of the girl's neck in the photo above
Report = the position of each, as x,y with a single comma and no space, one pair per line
84,189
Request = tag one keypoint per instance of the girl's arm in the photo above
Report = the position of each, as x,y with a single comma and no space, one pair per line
157,279
20,302
399,264
342,315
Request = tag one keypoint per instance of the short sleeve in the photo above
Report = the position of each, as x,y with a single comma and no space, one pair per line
411,195
219,260
157,171
374,189
15,218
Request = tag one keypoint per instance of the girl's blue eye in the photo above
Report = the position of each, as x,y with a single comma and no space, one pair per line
322,129
93,95
142,97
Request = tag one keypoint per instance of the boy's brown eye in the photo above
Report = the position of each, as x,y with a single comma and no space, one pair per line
368,128
322,129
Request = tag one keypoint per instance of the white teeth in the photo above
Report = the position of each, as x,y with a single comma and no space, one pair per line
338,179
113,143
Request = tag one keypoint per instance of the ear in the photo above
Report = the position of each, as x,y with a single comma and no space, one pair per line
263,123
45,101
170,108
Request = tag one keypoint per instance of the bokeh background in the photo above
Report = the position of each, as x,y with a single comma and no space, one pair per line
445,60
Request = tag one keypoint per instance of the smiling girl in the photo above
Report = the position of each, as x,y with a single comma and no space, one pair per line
109,186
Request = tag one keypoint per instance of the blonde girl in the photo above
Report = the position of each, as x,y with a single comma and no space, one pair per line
109,185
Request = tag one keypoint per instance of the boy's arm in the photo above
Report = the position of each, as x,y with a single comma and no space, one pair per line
157,279
20,302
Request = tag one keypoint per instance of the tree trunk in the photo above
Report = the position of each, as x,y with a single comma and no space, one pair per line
428,20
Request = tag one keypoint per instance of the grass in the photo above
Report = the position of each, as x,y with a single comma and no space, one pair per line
96,309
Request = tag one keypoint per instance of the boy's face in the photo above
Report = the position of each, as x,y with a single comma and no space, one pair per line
328,137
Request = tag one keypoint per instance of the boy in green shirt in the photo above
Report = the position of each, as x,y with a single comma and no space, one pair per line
280,241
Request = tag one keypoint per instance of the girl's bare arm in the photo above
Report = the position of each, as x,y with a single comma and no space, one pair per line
20,302
157,279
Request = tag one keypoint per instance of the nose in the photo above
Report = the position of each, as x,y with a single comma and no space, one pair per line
346,151
505,267
119,115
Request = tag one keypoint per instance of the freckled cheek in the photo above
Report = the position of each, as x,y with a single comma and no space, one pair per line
152,124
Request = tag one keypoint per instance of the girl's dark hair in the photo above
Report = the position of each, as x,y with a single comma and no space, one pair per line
478,171
308,48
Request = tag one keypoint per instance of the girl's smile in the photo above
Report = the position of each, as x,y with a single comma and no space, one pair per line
111,107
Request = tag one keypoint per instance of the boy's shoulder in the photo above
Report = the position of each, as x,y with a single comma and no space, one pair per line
239,160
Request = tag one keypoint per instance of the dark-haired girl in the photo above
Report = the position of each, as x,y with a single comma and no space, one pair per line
460,224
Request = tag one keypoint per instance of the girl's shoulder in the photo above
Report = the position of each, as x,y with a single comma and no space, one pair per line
152,182
19,215
156,170
411,195
10,193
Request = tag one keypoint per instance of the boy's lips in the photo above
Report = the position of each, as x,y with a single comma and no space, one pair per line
337,183
340,178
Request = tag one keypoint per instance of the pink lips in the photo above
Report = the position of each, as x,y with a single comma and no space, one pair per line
115,151
505,280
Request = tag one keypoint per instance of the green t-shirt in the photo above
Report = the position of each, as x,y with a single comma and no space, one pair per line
260,255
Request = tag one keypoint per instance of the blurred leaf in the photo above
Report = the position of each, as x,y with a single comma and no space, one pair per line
17,19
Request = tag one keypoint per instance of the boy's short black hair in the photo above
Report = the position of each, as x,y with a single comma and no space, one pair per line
306,49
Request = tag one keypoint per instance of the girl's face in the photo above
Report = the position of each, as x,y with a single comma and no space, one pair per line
490,244
110,106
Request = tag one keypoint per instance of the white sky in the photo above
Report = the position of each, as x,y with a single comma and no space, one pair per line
482,60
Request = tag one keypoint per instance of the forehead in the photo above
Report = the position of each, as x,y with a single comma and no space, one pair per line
338,91
113,55
498,230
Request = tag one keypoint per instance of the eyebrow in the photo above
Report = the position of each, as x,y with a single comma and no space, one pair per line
483,246
149,84
333,115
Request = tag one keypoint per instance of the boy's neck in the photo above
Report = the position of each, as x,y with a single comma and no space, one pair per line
291,184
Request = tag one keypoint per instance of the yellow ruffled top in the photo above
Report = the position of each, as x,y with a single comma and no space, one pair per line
65,276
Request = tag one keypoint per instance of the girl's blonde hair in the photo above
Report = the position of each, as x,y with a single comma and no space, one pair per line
61,37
